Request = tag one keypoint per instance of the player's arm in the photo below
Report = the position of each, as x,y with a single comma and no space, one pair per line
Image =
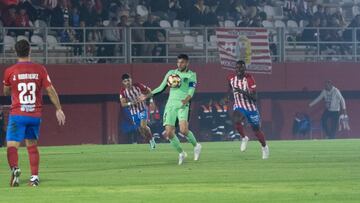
6,83
7,90
157,90
125,103
317,99
54,98
192,87
251,91
342,102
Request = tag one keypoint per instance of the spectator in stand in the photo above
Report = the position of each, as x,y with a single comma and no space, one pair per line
68,35
150,34
9,19
75,17
310,34
339,16
160,48
30,10
138,35
348,34
22,20
58,16
124,21
186,7
223,8
198,14
160,8
320,13
327,12
88,13
237,10
111,36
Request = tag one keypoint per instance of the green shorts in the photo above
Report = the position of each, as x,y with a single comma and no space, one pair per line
174,113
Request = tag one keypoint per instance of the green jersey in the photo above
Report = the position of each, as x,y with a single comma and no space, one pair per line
176,95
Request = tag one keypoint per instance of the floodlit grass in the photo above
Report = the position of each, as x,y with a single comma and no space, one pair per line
297,171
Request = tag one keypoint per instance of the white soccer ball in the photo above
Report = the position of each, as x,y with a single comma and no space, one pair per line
174,81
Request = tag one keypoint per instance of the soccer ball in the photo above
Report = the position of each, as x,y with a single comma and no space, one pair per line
174,81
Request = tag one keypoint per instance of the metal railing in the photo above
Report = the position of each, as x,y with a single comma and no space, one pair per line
146,45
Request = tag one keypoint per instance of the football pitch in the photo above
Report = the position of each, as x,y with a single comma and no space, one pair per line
297,171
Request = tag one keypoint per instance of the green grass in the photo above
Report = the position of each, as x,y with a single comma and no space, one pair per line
297,171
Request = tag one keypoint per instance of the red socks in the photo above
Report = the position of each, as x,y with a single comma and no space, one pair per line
34,159
148,136
259,134
12,156
261,137
240,128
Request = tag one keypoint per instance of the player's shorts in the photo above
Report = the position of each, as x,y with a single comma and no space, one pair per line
137,118
174,113
252,117
22,127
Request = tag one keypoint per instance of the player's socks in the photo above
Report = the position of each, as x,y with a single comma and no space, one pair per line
175,142
191,138
261,137
240,128
12,156
34,158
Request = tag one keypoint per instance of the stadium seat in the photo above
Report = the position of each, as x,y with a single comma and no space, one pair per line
199,42
292,24
229,23
189,41
213,42
268,24
9,42
21,37
106,22
178,24
40,26
35,39
165,24
51,41
270,12
142,10
279,23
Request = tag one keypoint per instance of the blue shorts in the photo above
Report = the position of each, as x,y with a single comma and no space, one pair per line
137,118
22,127
252,117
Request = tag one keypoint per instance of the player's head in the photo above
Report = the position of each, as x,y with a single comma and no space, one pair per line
22,48
126,80
328,85
240,67
182,62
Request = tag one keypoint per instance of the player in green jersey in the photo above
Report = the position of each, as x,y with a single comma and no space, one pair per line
177,106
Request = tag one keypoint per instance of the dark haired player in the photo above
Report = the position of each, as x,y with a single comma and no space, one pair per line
244,90
24,82
129,97
178,105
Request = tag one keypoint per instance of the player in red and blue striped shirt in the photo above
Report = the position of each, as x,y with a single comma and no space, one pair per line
243,86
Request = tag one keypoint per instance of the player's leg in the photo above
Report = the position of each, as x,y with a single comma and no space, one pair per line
31,137
145,131
334,123
325,123
34,159
183,115
169,120
255,122
14,135
238,119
